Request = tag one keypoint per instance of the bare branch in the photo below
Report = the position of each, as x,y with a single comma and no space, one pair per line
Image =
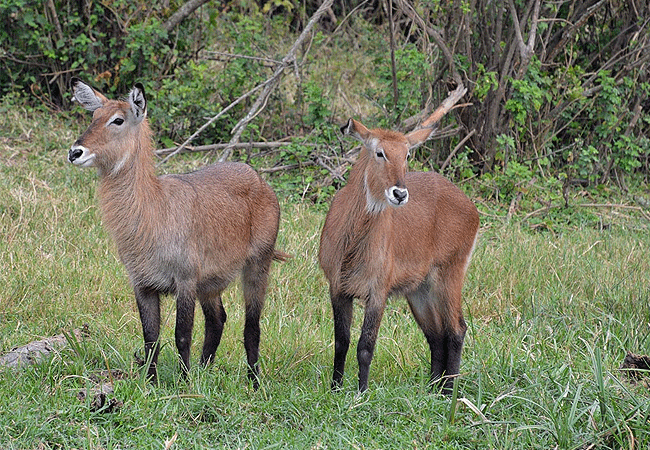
270,84
569,32
180,15
211,147
444,107
232,55
458,147
526,50
407,9
211,121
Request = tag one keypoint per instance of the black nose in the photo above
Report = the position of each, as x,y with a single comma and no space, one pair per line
400,194
74,153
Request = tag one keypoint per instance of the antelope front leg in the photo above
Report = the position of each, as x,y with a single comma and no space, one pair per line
454,345
184,325
148,302
369,331
342,309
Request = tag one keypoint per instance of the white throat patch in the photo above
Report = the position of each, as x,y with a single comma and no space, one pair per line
373,206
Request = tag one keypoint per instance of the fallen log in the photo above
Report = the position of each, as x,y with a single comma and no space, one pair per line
37,350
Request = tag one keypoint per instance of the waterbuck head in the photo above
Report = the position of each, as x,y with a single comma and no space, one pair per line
115,131
386,156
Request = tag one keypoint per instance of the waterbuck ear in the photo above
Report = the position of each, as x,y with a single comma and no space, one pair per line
356,129
138,102
417,137
87,97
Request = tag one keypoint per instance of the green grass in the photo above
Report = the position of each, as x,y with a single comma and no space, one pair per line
551,316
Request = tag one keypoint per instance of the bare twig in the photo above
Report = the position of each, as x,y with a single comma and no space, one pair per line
525,50
233,55
270,84
285,167
182,12
210,147
55,19
458,147
393,65
444,107
408,9
568,33
211,121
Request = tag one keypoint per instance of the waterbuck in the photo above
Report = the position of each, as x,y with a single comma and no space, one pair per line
393,232
186,234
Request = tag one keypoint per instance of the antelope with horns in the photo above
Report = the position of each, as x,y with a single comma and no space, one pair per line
186,234
393,232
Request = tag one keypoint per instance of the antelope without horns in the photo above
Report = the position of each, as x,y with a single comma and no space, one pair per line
186,234
393,232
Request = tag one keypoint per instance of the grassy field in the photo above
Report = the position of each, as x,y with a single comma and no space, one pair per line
551,315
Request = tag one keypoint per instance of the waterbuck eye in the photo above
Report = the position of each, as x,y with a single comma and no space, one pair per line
380,154
118,121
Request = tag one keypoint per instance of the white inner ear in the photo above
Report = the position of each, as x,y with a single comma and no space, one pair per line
138,104
86,97
372,144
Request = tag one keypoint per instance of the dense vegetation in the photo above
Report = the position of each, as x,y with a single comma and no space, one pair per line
552,145
559,92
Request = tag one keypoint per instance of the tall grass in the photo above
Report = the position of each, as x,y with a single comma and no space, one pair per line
550,317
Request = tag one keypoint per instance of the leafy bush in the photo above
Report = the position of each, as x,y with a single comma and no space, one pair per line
571,104
110,46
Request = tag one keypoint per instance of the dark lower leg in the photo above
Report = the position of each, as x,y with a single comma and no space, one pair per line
445,360
148,302
454,347
215,318
252,345
255,279
366,346
342,310
184,325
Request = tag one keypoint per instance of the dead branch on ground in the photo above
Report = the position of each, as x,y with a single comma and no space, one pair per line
35,351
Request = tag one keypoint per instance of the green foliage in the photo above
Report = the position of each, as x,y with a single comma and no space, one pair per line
318,105
413,77
110,46
460,167
181,105
529,95
485,82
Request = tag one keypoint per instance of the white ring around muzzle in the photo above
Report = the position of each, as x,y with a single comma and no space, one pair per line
81,156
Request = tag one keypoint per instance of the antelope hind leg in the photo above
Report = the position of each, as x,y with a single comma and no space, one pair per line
254,280
436,308
215,319
184,324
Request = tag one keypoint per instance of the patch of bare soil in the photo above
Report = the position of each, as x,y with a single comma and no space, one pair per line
101,399
637,368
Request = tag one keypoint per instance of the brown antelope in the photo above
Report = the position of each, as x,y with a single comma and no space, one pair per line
187,234
393,232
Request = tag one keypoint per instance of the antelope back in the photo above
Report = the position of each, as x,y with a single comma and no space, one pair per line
385,163
118,129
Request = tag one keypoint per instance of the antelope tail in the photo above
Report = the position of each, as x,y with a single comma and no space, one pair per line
281,256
